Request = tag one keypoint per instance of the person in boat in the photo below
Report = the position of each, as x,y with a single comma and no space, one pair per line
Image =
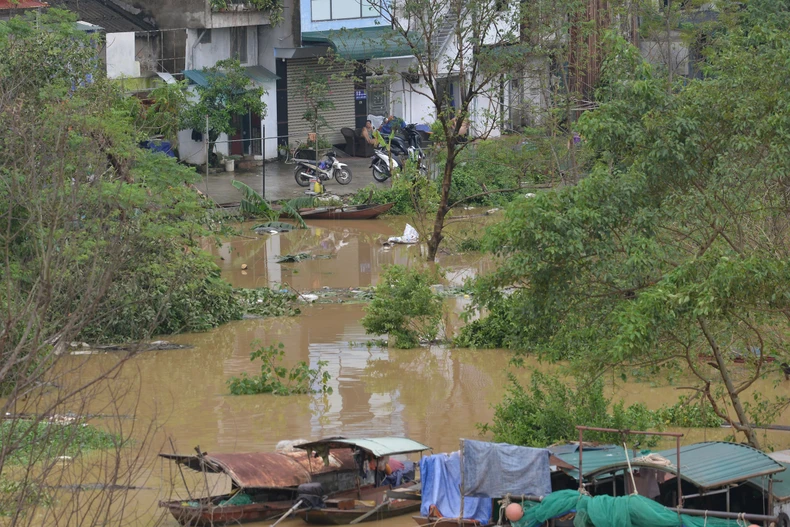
389,471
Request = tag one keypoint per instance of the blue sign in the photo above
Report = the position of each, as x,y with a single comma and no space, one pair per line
360,95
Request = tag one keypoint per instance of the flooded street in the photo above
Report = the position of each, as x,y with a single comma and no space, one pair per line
434,396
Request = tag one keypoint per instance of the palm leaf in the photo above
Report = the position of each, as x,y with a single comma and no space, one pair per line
253,203
291,208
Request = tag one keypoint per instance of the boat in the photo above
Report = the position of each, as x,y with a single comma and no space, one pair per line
346,212
264,485
365,503
436,521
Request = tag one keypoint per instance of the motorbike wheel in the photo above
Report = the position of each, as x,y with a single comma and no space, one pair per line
300,179
343,175
381,177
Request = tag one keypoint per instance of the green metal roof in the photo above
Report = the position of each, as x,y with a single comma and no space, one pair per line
378,446
781,484
361,44
706,465
257,74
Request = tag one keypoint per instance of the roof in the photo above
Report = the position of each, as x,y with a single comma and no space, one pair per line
105,13
360,44
267,469
378,446
20,4
258,74
781,483
706,465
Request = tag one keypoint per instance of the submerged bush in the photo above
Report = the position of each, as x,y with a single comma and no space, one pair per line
33,442
405,307
277,379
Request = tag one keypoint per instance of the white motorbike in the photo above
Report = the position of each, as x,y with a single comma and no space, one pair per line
323,170
383,165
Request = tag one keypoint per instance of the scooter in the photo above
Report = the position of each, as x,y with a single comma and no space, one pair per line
305,170
383,165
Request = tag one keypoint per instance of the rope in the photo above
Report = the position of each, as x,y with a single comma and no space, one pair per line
653,459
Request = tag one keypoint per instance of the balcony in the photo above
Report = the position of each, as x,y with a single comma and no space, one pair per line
237,13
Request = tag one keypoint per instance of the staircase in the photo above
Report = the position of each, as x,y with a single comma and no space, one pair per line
446,31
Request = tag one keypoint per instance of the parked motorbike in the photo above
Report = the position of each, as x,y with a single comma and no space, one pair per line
323,170
402,150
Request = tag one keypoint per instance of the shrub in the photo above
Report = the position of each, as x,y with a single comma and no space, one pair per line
32,442
278,380
404,307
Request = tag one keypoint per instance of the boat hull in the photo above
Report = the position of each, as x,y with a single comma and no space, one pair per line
339,517
350,212
208,515
447,522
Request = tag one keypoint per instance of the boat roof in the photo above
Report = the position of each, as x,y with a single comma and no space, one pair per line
378,446
781,485
266,469
707,465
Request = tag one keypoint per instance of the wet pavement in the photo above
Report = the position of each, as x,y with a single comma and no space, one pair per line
280,182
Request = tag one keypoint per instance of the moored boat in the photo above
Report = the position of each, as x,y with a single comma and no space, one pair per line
366,503
264,484
345,212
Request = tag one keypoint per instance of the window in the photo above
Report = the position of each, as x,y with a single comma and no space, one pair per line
344,9
204,37
238,44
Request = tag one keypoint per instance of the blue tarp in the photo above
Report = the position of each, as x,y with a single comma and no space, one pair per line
441,486
493,470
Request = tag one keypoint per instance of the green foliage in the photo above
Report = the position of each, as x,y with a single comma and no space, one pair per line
42,441
165,114
548,412
229,92
404,307
273,7
279,380
12,492
687,414
265,302
253,204
494,330
314,89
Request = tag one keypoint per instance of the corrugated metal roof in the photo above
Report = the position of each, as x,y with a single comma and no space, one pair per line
105,13
361,44
378,446
258,75
781,484
267,469
706,465
20,4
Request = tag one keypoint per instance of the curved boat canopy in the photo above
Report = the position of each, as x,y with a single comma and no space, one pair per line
377,446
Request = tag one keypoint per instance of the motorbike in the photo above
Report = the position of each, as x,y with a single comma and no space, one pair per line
323,170
382,164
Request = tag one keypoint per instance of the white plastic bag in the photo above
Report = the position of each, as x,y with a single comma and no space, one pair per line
410,235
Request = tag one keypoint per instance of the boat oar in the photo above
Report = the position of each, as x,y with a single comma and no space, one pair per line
370,512
287,513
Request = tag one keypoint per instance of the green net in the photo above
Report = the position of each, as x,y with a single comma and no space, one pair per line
608,511
238,499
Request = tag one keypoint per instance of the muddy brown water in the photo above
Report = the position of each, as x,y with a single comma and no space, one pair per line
434,395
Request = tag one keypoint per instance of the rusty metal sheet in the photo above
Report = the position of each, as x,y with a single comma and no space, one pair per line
267,469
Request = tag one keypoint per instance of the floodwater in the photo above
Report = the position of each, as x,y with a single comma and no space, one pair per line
434,395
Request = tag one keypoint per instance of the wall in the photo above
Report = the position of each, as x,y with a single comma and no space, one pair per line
120,55
204,55
655,52
326,25
268,38
174,13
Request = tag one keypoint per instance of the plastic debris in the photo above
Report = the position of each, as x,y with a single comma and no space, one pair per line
410,235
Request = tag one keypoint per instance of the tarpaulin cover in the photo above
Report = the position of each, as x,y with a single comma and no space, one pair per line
606,511
441,486
493,470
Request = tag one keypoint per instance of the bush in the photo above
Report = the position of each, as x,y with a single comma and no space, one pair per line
548,412
33,442
278,380
491,331
404,307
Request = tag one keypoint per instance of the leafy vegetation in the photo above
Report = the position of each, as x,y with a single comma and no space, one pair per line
266,302
36,442
10,492
279,380
404,307
674,248
273,7
253,204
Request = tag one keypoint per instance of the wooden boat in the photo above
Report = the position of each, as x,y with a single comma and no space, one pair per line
268,483
367,503
435,521
346,212
364,504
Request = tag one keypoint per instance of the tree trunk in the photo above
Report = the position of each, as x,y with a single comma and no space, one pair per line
438,224
735,399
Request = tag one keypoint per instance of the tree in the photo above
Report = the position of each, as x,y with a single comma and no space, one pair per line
99,240
673,251
314,88
228,92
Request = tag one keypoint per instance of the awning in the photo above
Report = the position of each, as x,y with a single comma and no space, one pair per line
378,446
361,44
258,74
22,4
266,470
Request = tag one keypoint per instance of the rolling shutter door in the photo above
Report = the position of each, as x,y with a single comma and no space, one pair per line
341,93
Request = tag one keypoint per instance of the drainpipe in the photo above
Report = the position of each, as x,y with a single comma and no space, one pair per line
192,51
